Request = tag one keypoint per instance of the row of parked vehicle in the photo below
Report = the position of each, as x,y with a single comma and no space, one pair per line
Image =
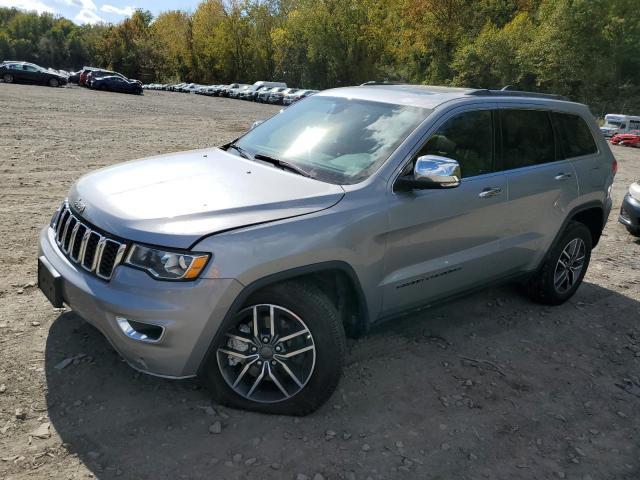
13,71
276,93
101,79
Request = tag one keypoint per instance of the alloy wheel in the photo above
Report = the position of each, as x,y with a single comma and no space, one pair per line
569,266
269,354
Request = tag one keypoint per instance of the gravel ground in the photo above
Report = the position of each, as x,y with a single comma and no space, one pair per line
492,386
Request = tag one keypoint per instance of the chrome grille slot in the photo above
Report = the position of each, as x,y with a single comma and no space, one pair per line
68,230
86,247
90,251
78,238
64,216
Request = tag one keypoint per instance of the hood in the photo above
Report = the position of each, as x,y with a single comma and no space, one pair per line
174,200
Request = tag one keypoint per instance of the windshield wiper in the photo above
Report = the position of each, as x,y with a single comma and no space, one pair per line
282,164
243,153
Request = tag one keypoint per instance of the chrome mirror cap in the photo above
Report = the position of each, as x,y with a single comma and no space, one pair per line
434,171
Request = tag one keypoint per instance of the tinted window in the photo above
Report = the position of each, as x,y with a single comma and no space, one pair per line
467,138
575,136
527,138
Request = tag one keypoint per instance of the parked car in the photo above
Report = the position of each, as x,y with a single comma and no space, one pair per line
211,91
224,92
118,84
275,98
631,139
249,93
297,96
234,92
252,92
630,209
74,77
24,72
356,205
263,95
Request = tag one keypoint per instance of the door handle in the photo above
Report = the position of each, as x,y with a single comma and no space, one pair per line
563,176
490,192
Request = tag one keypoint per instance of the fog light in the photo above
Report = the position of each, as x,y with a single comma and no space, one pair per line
141,332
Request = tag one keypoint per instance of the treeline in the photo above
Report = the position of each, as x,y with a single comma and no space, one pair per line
588,50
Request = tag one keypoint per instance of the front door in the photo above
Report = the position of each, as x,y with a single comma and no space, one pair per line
441,242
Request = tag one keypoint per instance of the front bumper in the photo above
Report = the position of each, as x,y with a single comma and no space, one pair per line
189,312
630,213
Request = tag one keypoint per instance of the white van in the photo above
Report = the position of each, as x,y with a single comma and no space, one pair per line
614,123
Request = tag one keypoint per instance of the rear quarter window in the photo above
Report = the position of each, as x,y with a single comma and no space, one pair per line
575,135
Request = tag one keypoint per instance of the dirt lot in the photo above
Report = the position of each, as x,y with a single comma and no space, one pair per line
492,386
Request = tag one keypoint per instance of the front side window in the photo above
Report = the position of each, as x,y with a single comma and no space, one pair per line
527,138
336,140
466,138
575,136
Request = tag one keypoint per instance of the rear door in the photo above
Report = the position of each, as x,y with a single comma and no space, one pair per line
542,184
444,241
578,145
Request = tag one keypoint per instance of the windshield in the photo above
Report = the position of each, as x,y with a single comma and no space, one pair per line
336,140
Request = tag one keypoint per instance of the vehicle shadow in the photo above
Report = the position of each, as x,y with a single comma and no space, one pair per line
123,424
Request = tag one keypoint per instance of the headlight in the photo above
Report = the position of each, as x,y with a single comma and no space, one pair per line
167,265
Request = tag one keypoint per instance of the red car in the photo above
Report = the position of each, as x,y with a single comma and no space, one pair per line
631,139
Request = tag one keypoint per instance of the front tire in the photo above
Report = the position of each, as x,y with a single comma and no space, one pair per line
7,78
634,231
282,353
53,82
564,268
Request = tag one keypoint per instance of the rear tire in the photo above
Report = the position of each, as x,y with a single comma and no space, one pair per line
53,82
7,78
292,385
564,267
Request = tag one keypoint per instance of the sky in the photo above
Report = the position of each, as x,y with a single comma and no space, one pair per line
95,11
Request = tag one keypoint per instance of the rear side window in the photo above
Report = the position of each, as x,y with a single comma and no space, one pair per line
527,138
575,136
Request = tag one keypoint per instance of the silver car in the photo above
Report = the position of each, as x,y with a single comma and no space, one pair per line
249,264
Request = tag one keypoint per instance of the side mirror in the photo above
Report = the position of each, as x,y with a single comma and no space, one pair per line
432,171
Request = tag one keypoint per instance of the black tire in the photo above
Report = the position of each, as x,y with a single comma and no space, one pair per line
53,82
322,321
541,287
7,78
634,231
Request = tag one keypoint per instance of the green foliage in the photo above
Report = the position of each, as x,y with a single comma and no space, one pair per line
586,49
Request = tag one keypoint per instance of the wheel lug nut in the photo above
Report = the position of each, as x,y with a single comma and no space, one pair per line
273,362
259,362
265,339
278,348
254,349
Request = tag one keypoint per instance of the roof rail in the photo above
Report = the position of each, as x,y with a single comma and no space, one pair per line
381,82
517,93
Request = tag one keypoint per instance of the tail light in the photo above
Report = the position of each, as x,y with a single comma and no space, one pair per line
614,167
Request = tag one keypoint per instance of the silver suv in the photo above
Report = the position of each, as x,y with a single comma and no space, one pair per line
249,264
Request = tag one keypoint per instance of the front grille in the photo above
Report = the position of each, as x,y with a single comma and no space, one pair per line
88,248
